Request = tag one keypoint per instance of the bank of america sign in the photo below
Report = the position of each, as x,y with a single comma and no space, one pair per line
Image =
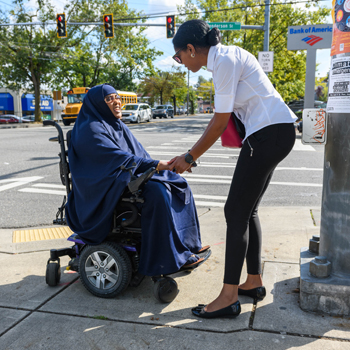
318,36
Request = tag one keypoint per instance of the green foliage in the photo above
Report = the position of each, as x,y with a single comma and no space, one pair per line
165,86
289,66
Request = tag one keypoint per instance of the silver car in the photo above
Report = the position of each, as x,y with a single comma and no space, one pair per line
136,112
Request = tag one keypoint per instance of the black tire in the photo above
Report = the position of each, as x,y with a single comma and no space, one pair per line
53,273
165,289
66,122
102,281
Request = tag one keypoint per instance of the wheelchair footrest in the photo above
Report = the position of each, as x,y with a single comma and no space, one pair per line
136,280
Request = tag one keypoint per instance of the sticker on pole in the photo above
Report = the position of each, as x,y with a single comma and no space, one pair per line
314,126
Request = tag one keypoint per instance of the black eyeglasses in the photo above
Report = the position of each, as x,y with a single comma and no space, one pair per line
176,57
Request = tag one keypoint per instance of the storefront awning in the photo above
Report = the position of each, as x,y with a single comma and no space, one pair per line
28,102
6,102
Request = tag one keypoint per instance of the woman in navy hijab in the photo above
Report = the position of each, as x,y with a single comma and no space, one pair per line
100,144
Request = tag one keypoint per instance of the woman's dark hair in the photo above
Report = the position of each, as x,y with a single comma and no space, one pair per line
197,33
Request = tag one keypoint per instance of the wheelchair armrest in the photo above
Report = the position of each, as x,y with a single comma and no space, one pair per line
135,185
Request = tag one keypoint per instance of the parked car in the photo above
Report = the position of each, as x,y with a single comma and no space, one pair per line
136,112
300,126
7,119
163,111
181,110
28,118
209,110
19,119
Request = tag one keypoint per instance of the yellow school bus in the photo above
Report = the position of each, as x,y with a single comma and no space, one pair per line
75,101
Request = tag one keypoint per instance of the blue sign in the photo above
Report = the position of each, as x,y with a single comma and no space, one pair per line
6,102
28,103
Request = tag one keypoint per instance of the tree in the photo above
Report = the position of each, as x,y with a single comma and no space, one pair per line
166,86
29,53
289,66
33,56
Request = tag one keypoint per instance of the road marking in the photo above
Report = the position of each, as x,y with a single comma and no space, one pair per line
209,179
50,186
209,204
204,155
15,182
207,196
298,146
43,191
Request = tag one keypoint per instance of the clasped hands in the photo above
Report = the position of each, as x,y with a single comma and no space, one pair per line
177,165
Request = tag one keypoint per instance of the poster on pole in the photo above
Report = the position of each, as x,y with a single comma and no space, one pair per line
341,27
314,126
339,86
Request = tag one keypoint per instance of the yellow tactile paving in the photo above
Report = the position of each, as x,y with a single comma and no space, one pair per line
41,234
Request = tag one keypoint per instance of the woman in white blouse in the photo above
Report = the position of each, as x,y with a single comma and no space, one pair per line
242,87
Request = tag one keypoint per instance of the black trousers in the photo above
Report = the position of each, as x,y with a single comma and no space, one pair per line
260,154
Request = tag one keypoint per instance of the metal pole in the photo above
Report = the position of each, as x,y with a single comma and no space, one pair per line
188,89
211,92
267,26
309,99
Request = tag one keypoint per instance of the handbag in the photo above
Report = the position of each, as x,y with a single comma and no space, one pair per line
233,135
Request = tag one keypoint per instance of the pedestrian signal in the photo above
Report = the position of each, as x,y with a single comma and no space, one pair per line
61,25
170,26
108,24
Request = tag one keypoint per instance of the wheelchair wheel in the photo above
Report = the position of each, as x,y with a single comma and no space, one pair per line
105,270
53,273
165,289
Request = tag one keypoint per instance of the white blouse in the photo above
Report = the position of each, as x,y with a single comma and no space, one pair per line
241,86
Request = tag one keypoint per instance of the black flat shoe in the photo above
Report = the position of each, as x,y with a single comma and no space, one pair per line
258,293
230,311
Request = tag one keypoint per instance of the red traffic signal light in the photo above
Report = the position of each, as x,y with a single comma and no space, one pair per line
170,26
108,26
61,25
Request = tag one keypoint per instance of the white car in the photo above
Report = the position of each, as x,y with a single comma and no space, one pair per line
136,112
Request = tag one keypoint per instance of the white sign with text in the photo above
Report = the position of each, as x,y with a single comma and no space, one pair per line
265,59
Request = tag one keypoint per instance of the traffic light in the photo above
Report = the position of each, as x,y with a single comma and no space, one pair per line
108,24
61,25
170,26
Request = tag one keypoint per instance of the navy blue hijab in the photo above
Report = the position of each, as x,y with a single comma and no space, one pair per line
100,144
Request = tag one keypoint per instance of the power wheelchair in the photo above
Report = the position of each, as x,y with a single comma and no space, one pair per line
109,268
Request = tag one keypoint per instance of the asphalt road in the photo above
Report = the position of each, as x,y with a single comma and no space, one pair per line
31,191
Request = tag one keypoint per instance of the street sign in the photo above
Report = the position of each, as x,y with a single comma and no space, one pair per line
265,59
225,25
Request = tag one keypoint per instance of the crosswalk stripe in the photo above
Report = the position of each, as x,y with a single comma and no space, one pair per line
43,191
205,155
207,196
50,186
13,182
209,204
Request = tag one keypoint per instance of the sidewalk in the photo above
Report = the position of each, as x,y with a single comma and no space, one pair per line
37,316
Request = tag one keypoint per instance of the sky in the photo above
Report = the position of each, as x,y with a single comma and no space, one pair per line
157,35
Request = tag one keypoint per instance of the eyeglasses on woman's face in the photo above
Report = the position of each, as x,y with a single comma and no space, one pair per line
176,57
110,98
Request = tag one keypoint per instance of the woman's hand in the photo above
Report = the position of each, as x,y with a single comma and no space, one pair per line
179,165
163,165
